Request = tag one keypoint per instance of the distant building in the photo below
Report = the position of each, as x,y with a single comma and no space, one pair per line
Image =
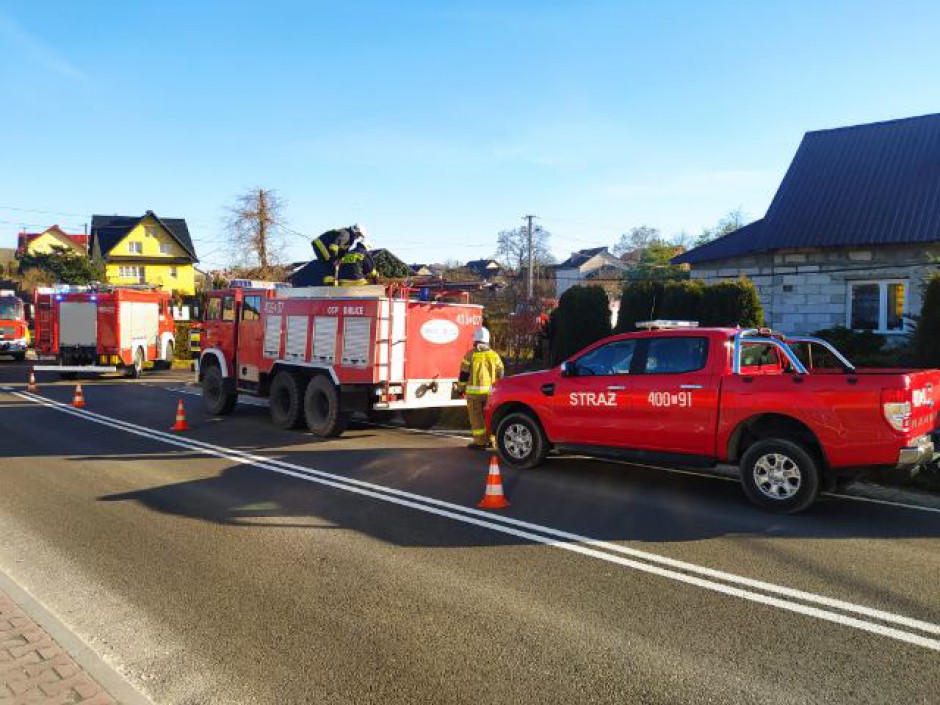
45,240
586,267
850,234
487,269
145,249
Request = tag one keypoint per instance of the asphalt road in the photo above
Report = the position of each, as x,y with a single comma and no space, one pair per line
238,563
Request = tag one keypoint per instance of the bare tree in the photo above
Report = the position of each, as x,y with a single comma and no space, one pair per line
512,249
256,223
636,240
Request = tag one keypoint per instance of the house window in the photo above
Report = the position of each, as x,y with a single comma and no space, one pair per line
135,248
879,306
131,272
165,248
173,272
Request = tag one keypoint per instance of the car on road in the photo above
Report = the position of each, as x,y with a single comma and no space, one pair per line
793,413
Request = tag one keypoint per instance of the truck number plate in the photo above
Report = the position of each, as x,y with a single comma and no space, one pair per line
660,399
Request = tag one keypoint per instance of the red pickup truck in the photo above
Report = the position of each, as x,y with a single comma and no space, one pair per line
793,413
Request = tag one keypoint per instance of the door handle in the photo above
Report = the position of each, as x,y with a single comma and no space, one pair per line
690,386
548,390
616,388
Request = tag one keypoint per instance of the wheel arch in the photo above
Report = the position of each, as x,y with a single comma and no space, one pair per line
212,356
511,407
773,425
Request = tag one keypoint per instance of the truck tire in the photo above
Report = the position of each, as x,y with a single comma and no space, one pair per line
520,441
421,419
322,409
286,398
780,475
217,397
137,367
167,362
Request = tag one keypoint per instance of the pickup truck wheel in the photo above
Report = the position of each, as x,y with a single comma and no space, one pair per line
780,475
322,408
286,397
421,419
218,399
520,441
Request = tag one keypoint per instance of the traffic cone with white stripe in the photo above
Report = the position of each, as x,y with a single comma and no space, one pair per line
78,401
32,386
493,497
180,424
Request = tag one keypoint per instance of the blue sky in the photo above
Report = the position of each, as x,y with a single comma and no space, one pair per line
437,124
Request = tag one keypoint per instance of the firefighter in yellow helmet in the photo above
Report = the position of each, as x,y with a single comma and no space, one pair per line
479,370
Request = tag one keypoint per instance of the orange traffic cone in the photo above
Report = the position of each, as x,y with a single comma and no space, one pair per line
493,496
180,424
32,386
78,401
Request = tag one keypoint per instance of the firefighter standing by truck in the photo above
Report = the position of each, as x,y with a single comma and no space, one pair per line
329,248
479,370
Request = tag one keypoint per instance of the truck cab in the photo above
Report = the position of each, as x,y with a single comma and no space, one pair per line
14,328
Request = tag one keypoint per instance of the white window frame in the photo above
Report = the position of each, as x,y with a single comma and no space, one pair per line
166,248
883,285
135,247
173,272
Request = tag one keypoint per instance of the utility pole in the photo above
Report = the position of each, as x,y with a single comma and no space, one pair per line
529,283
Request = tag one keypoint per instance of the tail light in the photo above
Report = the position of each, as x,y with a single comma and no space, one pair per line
896,406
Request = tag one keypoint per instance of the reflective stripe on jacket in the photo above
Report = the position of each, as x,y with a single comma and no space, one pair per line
481,368
355,267
329,245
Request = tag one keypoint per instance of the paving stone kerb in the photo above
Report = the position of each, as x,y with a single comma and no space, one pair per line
35,669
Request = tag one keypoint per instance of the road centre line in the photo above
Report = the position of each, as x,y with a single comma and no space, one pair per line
629,463
582,544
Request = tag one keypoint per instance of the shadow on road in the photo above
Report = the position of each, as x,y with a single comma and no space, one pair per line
587,497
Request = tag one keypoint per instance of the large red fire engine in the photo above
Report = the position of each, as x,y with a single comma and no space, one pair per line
84,329
322,353
14,330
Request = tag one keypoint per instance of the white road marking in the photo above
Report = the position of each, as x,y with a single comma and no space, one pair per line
638,560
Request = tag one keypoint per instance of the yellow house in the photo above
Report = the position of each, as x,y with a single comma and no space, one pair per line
145,250
45,241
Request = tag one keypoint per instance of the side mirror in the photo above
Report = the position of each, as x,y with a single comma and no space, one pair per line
568,369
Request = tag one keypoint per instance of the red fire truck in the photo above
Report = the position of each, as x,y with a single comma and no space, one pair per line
14,330
321,353
86,329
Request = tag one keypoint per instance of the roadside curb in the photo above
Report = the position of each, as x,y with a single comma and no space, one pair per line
111,682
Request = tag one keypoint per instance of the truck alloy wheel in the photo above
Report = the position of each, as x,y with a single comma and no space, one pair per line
520,441
780,475
322,408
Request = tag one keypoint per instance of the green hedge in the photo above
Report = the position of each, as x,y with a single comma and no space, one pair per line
927,333
581,318
181,349
724,304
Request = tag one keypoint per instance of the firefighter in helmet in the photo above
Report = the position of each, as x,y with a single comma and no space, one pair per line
479,370
329,249
356,266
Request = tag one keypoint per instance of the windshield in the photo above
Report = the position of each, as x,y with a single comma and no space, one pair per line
11,308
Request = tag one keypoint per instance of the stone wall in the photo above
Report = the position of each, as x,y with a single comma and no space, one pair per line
806,290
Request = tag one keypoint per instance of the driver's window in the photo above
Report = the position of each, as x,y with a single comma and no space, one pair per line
213,309
612,359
